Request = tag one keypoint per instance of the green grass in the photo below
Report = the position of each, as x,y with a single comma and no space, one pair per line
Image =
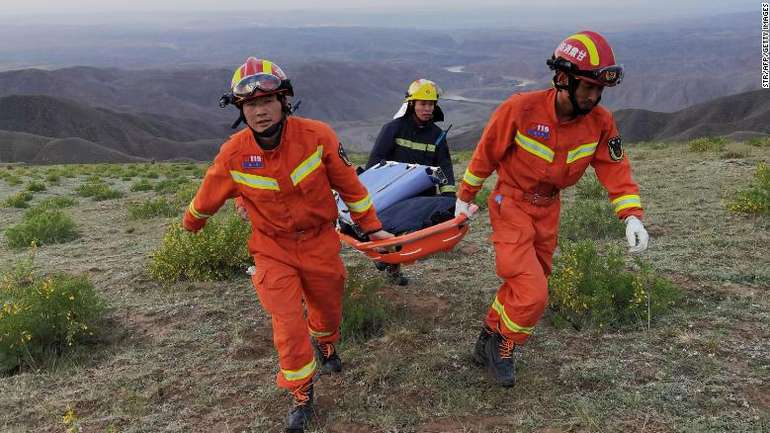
198,355
41,228
153,208
754,199
98,190
19,200
707,144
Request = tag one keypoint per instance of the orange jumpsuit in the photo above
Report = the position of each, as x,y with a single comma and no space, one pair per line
535,156
287,193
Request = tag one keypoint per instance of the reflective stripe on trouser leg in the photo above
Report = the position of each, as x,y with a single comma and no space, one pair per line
524,238
279,289
323,282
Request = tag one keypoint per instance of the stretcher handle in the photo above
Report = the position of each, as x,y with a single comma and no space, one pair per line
407,238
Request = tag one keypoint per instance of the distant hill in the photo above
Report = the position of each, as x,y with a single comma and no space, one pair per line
33,123
738,116
747,112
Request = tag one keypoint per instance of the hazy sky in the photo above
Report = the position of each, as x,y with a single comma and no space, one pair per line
99,6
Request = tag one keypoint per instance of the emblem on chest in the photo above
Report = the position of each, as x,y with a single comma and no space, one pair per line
253,161
539,131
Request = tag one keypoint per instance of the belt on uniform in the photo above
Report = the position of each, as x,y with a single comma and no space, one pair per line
300,234
535,198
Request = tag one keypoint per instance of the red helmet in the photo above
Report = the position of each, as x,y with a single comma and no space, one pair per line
587,56
254,78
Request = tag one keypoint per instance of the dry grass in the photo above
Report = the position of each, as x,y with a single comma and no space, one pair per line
198,357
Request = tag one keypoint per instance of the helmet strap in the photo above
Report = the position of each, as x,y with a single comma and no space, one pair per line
571,89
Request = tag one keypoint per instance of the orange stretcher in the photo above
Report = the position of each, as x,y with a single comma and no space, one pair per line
410,247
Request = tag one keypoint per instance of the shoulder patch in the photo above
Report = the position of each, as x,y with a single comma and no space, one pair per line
615,146
344,156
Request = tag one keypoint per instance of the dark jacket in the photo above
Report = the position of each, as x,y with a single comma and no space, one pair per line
402,140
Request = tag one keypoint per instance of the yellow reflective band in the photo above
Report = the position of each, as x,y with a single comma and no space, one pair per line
471,179
534,147
448,188
302,373
307,166
415,145
236,77
581,151
362,205
513,327
194,212
626,201
318,334
254,181
593,53
267,67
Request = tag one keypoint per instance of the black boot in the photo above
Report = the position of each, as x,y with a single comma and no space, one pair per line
498,351
395,276
301,409
327,354
479,357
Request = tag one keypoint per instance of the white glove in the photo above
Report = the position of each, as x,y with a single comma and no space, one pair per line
636,234
463,207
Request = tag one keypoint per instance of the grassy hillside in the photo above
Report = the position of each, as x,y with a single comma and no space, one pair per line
198,357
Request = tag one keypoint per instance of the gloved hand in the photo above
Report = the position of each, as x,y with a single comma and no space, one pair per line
192,224
636,234
463,207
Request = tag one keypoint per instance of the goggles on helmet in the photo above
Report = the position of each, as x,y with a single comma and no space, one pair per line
609,76
252,84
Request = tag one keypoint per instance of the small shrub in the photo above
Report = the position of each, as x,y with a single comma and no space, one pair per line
19,200
217,252
98,191
169,185
42,316
51,204
53,178
141,185
158,207
759,142
12,180
707,144
736,151
35,187
591,290
186,193
44,227
364,311
151,175
756,198
590,219
589,188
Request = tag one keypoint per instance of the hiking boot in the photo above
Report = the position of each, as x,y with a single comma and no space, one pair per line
498,351
327,354
479,357
394,276
301,409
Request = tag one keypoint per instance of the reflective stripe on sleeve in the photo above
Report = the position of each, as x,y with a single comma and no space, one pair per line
626,201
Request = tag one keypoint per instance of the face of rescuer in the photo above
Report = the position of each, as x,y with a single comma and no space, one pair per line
262,112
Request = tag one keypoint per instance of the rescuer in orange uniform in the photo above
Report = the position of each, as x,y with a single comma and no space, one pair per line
282,170
539,143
